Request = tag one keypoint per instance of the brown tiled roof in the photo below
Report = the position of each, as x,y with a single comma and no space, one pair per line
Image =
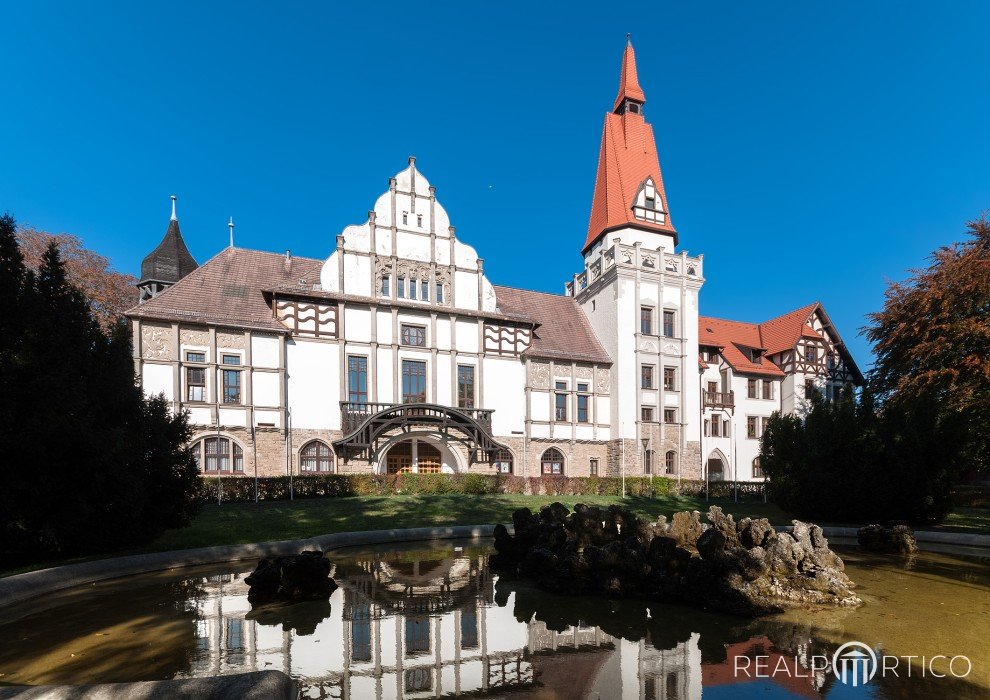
736,337
171,260
564,331
782,333
227,289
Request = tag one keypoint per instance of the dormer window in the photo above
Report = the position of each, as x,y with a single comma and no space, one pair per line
648,205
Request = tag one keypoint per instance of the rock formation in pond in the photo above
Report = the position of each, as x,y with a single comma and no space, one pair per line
746,568
893,538
303,576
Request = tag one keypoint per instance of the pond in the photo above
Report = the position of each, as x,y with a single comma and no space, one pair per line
428,620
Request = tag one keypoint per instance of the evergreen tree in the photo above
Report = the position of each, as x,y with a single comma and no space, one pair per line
87,464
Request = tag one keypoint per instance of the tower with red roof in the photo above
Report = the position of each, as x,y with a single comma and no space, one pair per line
641,294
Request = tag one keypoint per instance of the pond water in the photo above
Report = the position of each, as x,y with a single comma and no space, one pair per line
428,620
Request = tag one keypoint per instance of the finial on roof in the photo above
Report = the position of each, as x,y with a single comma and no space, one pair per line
628,39
174,217
412,160
231,227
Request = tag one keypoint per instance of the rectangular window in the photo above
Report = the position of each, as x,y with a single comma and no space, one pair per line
670,415
439,298
195,384
400,288
763,425
195,356
648,462
752,428
646,320
560,401
712,387
716,422
809,388
465,386
413,335
357,379
668,323
646,414
231,359
751,388
412,288
593,468
669,379
231,386
413,381
582,408
424,290
811,353
646,377
385,281
767,389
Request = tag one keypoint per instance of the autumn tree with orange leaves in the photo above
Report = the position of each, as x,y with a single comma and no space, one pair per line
932,337
109,292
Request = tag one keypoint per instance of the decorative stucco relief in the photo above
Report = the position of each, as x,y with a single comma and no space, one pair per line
583,372
188,336
230,341
604,383
156,342
539,377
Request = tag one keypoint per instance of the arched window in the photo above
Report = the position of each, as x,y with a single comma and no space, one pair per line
228,458
502,462
648,462
757,469
552,462
315,457
670,462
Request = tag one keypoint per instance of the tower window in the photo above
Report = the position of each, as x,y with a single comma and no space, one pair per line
419,220
405,218
651,203
633,107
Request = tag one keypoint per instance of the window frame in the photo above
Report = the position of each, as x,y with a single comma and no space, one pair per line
670,416
408,332
669,329
583,408
752,390
407,368
670,385
670,462
647,376
232,456
646,414
318,457
465,390
646,320
546,461
360,374
499,459
231,391
560,394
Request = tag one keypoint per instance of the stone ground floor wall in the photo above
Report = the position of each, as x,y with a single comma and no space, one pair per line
276,456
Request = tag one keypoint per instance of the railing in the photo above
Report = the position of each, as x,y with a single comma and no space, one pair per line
719,399
354,413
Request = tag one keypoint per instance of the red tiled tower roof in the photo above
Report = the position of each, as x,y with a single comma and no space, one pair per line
627,158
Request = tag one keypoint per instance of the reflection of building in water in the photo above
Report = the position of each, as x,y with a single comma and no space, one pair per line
791,672
402,627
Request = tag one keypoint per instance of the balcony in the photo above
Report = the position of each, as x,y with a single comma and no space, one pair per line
719,399
354,413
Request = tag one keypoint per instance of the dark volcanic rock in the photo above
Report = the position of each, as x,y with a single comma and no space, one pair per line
746,568
897,538
304,576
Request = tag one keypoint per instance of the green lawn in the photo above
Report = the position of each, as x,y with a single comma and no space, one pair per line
237,523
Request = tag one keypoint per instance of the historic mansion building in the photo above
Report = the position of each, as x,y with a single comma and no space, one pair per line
397,353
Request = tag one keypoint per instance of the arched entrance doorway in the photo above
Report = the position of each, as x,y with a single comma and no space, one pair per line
418,456
716,466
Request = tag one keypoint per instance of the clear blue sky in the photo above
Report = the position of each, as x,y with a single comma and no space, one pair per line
810,150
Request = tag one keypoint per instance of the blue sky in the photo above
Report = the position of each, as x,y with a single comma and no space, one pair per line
810,150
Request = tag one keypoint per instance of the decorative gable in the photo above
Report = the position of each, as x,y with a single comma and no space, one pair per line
307,318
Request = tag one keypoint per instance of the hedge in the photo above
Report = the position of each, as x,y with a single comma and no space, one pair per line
241,488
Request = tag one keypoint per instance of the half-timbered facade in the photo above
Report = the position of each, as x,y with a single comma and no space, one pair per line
396,353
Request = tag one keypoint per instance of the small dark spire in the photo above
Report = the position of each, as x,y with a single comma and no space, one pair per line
168,263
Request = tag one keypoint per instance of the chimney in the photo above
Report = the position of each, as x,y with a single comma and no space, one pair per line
288,260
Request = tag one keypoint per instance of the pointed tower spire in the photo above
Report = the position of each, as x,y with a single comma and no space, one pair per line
166,264
629,89
629,191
